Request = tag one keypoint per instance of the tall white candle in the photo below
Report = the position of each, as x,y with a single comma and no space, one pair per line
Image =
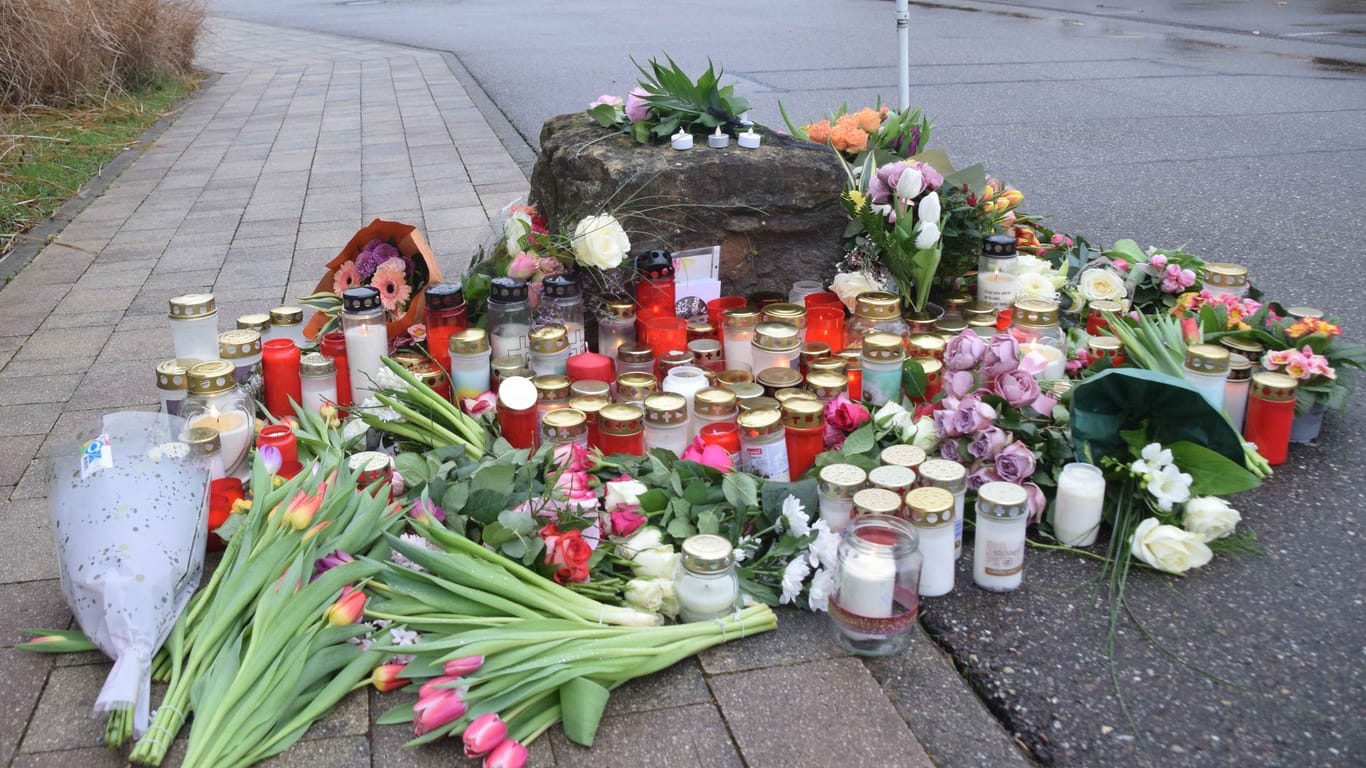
365,345
997,289
998,553
936,547
1081,498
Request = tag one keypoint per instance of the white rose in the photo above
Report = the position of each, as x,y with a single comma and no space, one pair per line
1168,548
599,241
1035,285
1102,285
1210,517
646,537
926,437
515,228
645,594
623,492
848,285
656,563
1027,263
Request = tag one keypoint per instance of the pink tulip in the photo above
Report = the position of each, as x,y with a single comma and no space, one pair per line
463,665
509,754
477,406
348,609
484,734
440,709
436,685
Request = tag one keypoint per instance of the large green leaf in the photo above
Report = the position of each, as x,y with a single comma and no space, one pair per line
1212,474
581,704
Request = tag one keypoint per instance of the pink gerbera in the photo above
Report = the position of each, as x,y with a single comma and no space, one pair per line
394,292
346,277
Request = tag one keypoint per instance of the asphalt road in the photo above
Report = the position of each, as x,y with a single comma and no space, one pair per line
1232,128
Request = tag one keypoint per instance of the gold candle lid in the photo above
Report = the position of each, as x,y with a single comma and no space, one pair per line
853,360
827,365
203,441
1301,313
841,481
619,308
876,501
1252,350
715,401
674,358
621,419
890,477
978,324
171,376
192,305
746,390
589,405
257,321
1034,313
564,425
1273,387
777,337
902,456
774,379
792,314
707,553
471,341
1105,346
759,423
635,354
883,347
1225,275
666,409
316,364
701,329
287,316
239,344
950,326
825,385
212,377
551,389
706,351
925,345
1002,501
803,412
740,318
877,305
979,309
813,351
930,507
762,403
942,473
509,365
933,370
589,387
634,386
734,376
1106,305
794,393
1239,367
1207,358
549,339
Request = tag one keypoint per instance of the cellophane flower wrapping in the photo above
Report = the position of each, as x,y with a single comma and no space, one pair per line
129,511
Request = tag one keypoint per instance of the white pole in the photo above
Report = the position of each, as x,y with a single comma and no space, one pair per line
903,42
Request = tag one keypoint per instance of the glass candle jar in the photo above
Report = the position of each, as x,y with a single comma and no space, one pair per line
1270,415
811,352
822,299
1206,370
836,485
566,426
948,327
674,358
616,325
759,404
1236,390
655,295
446,315
953,304
931,514
952,477
731,378
1252,350
890,477
853,371
242,348
426,371
804,432
255,321
724,435
1096,312
716,308
737,333
999,540
707,355
874,312
876,501
701,329
775,379
509,318
794,393
706,582
591,407
503,368
280,365
746,391
334,346
372,468
876,600
985,327
934,381
1080,501
907,456
686,380
792,314
552,394
882,357
562,303
837,363
518,421
589,387
666,422
665,334
367,339
1224,279
204,443
622,427
635,387
194,326
172,385
216,402
318,376
763,446
803,288
1107,347
714,405
634,358
826,386
925,346
469,364
287,323
282,438
549,354
996,271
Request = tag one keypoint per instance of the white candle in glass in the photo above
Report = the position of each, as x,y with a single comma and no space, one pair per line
867,585
1056,366
365,345
234,434
739,346
1081,498
687,380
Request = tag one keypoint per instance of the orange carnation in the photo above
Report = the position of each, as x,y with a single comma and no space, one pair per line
848,138
868,120
819,132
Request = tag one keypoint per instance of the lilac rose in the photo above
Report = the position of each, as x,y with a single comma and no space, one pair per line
1015,463
973,416
959,383
883,184
1037,502
951,450
637,108
1017,387
988,443
945,422
964,351
980,475
1002,355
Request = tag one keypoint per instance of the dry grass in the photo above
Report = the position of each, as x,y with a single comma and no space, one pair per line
60,52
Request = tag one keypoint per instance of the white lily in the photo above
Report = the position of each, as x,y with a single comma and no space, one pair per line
1170,486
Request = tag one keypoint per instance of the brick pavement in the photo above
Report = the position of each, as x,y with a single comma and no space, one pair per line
301,139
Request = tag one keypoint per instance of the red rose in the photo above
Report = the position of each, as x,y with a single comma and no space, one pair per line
569,551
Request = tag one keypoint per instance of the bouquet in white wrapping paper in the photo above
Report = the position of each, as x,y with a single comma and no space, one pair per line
129,513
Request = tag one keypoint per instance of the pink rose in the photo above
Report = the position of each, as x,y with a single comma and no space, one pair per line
477,406
959,383
845,415
1002,355
637,108
713,456
523,266
972,416
606,98
1158,261
988,443
549,266
571,457
1037,502
964,351
1121,265
980,475
624,520
1017,387
834,439
576,488
1015,463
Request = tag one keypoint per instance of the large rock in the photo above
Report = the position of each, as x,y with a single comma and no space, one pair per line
774,211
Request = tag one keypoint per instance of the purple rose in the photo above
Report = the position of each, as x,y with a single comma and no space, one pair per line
1017,387
1002,355
980,475
1037,502
964,351
972,416
988,443
1015,463
959,383
945,421
883,184
637,108
951,450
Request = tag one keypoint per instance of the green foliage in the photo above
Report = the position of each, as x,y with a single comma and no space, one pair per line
678,103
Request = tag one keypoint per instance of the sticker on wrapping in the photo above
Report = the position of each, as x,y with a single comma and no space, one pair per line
96,455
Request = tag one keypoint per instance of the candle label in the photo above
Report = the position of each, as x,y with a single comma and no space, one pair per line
767,461
1003,559
96,455
997,290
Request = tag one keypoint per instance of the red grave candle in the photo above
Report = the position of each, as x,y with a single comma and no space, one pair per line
1270,415
280,369
591,365
825,323
282,438
716,308
655,291
804,431
822,299
446,316
621,429
853,370
724,435
667,334
517,418
334,346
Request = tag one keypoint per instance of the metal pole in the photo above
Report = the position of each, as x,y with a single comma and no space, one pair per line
903,43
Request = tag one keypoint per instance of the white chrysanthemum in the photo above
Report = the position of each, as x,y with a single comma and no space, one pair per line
798,524
387,379
1035,285
794,575
822,586
824,550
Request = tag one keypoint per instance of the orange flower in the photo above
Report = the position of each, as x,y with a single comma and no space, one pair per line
868,120
848,138
1312,325
348,609
819,132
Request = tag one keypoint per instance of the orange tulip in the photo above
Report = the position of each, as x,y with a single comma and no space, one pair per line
348,609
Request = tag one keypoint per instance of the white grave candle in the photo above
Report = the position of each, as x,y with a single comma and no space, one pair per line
1081,498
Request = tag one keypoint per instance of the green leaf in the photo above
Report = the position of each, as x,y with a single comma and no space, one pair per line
56,641
681,528
485,505
604,114
1128,250
653,500
914,382
696,492
1212,473
582,702
518,521
413,467
861,440
708,522
455,497
741,490
495,477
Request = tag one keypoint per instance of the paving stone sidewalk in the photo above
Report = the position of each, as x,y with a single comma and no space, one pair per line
299,140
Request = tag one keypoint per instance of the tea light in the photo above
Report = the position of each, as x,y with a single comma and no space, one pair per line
749,139
718,140
681,141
